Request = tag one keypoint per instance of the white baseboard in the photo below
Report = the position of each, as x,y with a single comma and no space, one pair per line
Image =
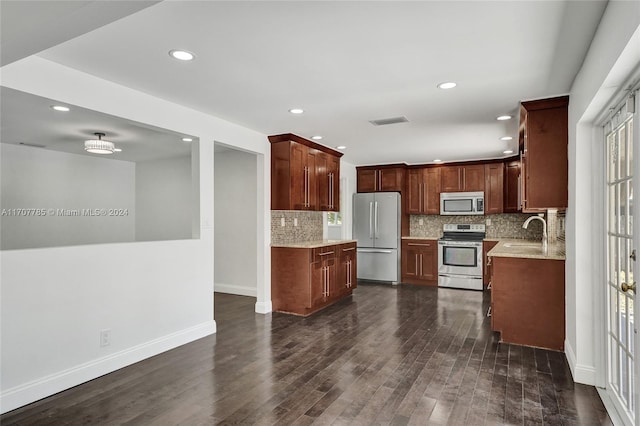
264,307
585,374
37,389
240,290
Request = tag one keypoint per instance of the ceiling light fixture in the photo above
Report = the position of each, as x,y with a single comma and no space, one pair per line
60,108
437,160
447,85
341,147
506,138
504,117
99,146
508,151
316,138
182,55
117,150
296,110
187,140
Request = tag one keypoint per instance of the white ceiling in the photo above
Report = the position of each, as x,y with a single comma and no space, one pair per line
347,63
29,119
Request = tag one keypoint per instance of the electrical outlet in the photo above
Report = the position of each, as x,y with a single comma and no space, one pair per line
488,221
282,221
105,337
295,221
421,221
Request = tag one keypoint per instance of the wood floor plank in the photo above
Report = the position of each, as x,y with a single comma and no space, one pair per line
389,355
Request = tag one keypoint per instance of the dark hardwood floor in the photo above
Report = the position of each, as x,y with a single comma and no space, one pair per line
404,355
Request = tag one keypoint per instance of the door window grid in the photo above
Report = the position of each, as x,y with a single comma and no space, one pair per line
620,231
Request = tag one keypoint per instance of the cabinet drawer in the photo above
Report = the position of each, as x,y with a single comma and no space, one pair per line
319,254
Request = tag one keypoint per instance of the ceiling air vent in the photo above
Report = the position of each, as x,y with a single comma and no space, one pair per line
385,121
35,145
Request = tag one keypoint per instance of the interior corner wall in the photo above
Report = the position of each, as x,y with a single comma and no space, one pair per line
164,199
153,296
619,23
235,225
63,187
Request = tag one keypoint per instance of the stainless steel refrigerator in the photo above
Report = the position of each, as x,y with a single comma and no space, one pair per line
376,227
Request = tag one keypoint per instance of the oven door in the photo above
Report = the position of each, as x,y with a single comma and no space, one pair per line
460,258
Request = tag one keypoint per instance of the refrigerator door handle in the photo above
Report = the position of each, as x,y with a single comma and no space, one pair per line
376,220
370,220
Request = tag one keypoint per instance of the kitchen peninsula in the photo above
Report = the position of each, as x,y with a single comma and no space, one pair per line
528,293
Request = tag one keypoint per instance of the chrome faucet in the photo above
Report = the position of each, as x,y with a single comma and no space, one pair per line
544,229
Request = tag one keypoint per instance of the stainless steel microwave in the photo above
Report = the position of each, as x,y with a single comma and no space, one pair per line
462,203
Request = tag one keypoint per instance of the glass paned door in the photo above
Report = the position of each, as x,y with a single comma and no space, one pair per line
620,266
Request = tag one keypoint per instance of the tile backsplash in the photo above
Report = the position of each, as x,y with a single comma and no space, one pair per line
507,225
309,226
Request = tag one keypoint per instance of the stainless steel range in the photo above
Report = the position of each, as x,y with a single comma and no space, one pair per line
460,256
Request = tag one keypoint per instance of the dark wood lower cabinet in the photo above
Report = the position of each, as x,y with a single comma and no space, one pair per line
527,301
305,280
420,262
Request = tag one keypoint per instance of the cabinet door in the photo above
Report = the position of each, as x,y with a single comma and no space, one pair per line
334,183
390,179
318,289
428,261
410,260
367,179
322,175
451,179
298,176
333,290
512,187
493,188
431,190
415,183
312,182
473,178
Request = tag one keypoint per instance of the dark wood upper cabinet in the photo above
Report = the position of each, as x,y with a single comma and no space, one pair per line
304,175
423,190
512,187
493,188
544,140
380,178
462,178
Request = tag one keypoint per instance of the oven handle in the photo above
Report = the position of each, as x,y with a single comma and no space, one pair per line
471,277
460,243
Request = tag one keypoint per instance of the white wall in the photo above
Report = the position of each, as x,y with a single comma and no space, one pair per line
609,61
152,295
163,199
43,179
348,176
235,227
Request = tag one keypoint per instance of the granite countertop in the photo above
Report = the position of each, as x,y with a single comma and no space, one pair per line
528,250
312,244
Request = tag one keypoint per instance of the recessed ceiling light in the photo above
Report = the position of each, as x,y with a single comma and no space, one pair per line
182,55
507,152
504,117
296,110
187,140
117,150
506,138
447,85
341,147
437,160
317,137
60,108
